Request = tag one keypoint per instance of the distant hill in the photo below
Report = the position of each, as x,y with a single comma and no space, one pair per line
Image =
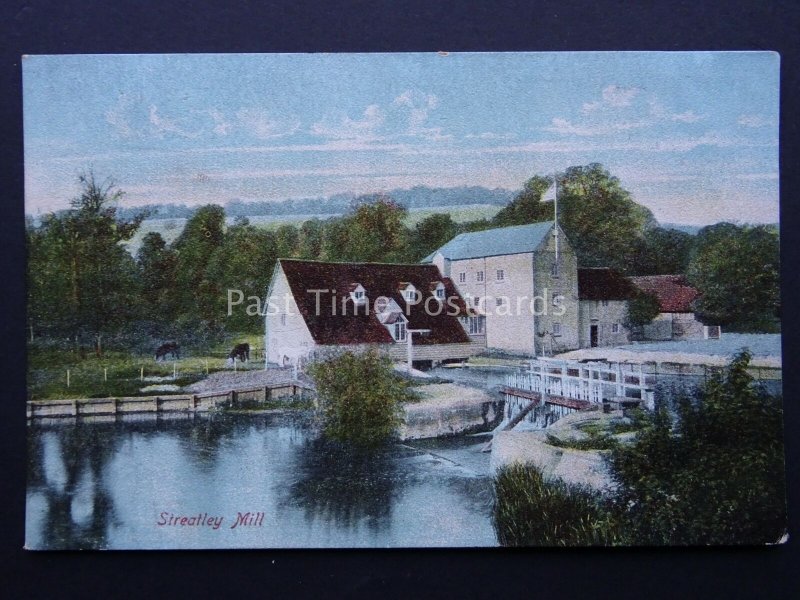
414,198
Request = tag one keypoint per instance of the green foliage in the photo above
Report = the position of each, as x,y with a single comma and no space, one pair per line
714,476
736,269
431,233
78,268
359,396
663,252
372,232
527,206
602,222
530,511
717,478
642,309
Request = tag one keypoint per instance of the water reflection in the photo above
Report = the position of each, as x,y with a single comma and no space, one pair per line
345,486
105,484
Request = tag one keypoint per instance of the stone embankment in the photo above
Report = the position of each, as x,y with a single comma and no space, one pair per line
450,409
579,467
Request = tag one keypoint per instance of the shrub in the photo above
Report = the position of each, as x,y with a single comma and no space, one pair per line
714,477
359,396
531,511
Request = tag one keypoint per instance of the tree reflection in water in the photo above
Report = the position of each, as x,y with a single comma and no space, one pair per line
79,509
347,486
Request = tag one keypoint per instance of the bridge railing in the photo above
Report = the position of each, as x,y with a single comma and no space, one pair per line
590,382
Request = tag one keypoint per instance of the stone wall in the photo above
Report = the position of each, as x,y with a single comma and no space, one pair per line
450,409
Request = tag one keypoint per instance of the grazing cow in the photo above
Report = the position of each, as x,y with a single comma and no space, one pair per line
240,351
171,348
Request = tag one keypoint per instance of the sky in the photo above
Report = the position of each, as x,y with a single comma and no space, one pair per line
693,136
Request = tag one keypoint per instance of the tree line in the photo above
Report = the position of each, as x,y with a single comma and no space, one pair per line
85,286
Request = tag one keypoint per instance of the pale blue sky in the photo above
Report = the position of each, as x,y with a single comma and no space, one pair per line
693,136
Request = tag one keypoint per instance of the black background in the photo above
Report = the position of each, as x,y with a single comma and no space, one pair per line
152,26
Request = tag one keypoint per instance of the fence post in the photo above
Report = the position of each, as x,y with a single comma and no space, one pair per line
67,377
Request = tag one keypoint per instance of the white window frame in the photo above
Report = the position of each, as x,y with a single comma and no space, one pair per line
440,292
480,276
462,277
501,274
557,329
475,325
615,328
283,319
499,301
400,331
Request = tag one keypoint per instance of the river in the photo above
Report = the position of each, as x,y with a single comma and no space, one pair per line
190,483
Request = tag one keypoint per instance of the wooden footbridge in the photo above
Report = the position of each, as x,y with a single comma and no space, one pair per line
562,387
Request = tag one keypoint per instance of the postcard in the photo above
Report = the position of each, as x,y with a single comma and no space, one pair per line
403,300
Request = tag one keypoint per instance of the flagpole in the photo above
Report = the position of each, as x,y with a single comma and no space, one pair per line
555,204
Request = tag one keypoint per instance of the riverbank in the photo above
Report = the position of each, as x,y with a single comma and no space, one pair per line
447,409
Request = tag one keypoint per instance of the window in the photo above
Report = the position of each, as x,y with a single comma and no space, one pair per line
558,300
499,301
410,293
440,293
474,325
462,278
359,295
605,302
554,270
479,276
501,274
476,301
283,318
400,331
615,328
556,328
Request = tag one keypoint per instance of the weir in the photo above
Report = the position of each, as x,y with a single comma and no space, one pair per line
551,389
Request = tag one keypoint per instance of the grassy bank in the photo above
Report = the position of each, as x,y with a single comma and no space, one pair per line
121,373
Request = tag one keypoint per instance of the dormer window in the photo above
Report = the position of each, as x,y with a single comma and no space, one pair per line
396,323
437,289
409,292
358,293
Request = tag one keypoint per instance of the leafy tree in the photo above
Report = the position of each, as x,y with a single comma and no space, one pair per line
198,296
288,240
95,281
527,206
157,264
431,233
243,263
602,222
642,309
311,236
373,231
717,477
360,397
736,270
663,252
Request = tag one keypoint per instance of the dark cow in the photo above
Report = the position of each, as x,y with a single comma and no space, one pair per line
240,351
171,348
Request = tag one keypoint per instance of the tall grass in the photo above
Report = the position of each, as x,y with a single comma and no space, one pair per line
532,511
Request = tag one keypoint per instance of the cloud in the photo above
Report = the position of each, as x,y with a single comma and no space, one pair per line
163,125
344,128
752,121
258,122
118,116
659,111
487,135
565,127
221,125
611,96
419,106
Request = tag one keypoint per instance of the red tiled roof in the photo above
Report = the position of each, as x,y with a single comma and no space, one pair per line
603,284
673,292
354,325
